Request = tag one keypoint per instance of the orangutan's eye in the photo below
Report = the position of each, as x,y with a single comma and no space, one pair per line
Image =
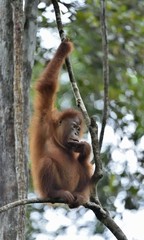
59,122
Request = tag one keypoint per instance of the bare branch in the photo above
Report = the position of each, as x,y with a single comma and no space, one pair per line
105,218
91,124
27,201
105,69
99,212
76,92
98,174
77,95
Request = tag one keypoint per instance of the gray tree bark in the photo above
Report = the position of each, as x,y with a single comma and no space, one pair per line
9,223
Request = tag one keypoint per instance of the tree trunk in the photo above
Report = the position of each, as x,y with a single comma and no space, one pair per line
8,181
9,223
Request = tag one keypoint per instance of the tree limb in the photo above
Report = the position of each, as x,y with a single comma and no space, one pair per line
89,122
105,218
98,173
99,212
75,88
27,201
105,69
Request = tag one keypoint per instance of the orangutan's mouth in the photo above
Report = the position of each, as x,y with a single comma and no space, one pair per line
73,140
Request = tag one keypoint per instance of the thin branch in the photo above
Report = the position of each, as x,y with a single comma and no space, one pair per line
89,122
99,212
75,88
26,202
105,218
98,174
105,69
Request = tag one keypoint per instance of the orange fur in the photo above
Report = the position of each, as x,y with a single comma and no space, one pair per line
60,162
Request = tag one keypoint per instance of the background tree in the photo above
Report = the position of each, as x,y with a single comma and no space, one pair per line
17,45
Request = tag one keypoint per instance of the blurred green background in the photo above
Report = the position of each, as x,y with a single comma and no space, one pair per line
121,190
